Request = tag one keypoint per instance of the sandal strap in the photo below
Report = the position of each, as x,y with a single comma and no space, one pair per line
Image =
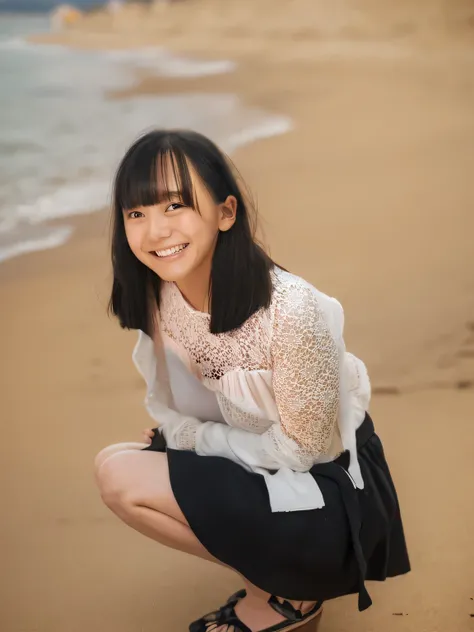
287,610
236,597
230,619
224,615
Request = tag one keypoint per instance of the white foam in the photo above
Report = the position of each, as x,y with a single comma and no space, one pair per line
166,64
273,126
13,43
72,199
161,61
20,44
57,237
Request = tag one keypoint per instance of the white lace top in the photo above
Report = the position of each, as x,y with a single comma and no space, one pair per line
277,395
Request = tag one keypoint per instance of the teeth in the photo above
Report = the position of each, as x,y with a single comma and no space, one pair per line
170,251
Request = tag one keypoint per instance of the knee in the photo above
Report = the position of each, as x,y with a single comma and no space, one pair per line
112,484
100,459
109,451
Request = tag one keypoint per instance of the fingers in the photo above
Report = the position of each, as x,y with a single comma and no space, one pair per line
148,435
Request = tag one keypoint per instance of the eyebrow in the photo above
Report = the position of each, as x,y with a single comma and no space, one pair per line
166,195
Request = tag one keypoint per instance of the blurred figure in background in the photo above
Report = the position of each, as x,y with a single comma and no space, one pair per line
64,16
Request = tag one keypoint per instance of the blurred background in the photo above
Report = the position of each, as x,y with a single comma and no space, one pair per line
353,123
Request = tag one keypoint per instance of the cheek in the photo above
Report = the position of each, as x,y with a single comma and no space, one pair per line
199,230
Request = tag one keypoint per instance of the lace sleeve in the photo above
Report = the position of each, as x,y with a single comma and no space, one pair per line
305,376
181,435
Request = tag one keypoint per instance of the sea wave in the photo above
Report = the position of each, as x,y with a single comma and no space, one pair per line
55,237
167,64
21,44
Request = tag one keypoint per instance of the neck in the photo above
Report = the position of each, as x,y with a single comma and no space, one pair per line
195,288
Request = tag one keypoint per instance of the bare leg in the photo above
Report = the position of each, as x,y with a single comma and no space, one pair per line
135,485
129,493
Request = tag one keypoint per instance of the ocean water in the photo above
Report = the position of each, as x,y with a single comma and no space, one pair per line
61,138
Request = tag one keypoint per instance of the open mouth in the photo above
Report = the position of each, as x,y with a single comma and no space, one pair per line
169,252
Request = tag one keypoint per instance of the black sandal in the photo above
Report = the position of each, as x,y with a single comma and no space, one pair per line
211,618
295,619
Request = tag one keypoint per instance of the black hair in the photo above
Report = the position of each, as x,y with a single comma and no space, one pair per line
240,281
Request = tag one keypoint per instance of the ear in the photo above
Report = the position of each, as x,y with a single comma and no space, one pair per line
227,213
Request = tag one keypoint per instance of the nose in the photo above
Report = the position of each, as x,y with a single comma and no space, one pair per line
159,227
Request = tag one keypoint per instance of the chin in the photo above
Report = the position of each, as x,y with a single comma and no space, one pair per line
167,273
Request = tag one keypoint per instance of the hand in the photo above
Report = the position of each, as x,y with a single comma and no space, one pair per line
148,435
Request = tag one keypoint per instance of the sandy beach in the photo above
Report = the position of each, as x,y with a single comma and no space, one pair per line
370,198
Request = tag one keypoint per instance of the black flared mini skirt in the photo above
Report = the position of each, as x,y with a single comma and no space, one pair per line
310,555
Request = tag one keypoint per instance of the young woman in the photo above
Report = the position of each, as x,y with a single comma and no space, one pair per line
265,459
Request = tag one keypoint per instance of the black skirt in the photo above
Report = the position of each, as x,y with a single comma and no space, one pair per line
304,555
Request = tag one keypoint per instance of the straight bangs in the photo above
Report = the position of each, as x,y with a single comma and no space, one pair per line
153,172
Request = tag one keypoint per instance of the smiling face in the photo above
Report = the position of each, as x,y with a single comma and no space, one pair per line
176,237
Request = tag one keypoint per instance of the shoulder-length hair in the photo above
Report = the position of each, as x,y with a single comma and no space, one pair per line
240,281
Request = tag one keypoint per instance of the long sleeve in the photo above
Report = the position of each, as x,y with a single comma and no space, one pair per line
305,378
306,387
209,438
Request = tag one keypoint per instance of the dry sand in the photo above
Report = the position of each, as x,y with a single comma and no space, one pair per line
371,199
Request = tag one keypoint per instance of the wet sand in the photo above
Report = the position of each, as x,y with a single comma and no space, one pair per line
371,199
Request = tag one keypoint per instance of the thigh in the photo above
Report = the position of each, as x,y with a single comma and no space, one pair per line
143,477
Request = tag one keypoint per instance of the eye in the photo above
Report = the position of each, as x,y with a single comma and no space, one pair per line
174,207
134,214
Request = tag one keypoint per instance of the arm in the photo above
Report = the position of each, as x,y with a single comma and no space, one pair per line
306,387
305,380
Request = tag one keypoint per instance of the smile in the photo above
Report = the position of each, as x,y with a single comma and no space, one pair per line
169,252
